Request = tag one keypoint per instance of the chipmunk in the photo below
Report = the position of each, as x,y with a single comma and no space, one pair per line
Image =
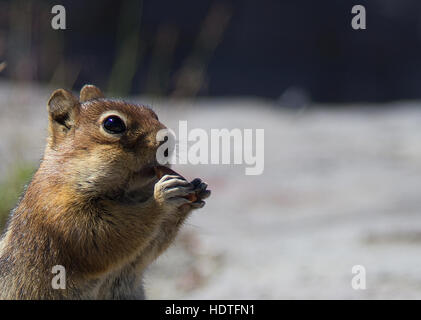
95,205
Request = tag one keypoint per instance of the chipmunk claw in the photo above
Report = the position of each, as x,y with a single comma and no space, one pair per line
204,194
198,185
200,189
198,204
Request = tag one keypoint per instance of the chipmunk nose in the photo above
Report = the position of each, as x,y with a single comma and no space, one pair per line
155,140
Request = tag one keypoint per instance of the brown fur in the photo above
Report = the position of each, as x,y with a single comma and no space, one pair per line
94,206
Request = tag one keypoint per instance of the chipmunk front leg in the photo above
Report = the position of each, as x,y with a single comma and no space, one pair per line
165,198
168,194
175,216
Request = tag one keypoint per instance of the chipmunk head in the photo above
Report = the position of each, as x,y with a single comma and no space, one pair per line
99,144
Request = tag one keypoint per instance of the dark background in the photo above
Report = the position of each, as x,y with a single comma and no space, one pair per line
219,48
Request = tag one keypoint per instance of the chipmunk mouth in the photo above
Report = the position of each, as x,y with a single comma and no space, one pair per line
141,178
150,170
146,172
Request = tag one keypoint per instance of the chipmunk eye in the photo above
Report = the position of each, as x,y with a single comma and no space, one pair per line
114,125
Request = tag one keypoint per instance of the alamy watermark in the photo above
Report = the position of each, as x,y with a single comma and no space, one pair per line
358,281
59,20
219,146
59,280
358,21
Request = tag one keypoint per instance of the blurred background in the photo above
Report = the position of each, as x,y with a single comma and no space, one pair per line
341,113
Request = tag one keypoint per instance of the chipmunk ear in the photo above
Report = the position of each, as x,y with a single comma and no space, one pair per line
62,107
89,92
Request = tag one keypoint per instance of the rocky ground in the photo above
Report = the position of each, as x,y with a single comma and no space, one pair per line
341,187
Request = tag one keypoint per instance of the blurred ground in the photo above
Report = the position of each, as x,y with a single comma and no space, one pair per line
341,187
